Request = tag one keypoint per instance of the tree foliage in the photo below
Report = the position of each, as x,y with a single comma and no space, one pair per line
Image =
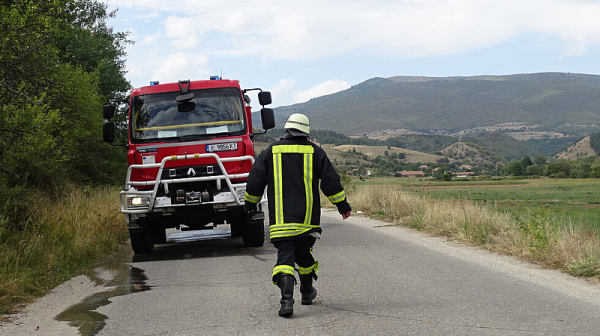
59,64
595,142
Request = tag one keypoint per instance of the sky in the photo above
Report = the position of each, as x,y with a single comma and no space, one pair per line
300,50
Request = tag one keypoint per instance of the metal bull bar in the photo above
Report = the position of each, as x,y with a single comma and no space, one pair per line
129,191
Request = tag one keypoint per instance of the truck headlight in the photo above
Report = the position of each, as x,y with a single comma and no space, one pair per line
138,201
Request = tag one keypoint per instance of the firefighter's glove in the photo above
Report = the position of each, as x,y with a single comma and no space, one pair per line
343,207
249,206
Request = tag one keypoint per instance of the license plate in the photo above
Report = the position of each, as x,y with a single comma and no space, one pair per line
221,147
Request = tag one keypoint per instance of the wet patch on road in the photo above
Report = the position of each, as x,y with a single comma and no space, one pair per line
119,277
127,280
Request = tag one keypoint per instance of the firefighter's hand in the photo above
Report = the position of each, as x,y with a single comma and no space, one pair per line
344,209
249,206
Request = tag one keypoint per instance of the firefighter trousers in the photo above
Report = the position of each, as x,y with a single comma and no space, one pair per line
295,251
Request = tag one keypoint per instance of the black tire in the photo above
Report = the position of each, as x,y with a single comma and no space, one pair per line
159,234
141,241
237,224
254,233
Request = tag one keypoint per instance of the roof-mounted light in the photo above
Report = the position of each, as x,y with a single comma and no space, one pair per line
154,83
215,77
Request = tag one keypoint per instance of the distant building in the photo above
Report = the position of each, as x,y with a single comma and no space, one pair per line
463,174
405,173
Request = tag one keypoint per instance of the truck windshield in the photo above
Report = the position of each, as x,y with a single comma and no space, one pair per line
211,112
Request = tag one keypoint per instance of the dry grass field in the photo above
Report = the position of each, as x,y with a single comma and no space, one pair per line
62,239
524,136
533,234
374,151
334,152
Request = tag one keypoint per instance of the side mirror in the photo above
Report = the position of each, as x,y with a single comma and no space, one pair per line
264,98
267,117
108,111
108,131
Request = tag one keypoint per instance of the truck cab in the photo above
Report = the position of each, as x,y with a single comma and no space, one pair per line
190,149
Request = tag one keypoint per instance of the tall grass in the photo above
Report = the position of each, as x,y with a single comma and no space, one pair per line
532,235
61,238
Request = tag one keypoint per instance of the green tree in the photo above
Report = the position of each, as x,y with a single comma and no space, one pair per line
526,162
443,160
534,170
515,169
540,160
595,142
85,40
559,169
59,63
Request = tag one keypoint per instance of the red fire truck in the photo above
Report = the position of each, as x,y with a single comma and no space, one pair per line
190,149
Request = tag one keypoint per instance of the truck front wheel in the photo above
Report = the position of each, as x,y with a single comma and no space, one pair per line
141,238
159,234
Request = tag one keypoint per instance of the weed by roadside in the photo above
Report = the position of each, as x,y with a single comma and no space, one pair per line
61,238
535,235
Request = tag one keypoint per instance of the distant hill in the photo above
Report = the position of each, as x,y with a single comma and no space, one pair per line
374,151
580,149
545,102
475,154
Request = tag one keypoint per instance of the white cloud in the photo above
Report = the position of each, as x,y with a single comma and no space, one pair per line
315,29
180,66
325,88
183,32
150,39
283,39
282,88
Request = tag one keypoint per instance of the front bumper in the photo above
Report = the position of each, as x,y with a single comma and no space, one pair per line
135,201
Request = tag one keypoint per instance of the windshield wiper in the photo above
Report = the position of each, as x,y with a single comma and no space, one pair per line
190,137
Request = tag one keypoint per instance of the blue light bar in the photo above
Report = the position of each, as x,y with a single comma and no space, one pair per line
214,78
154,83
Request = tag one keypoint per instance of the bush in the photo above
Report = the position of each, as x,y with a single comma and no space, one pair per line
60,239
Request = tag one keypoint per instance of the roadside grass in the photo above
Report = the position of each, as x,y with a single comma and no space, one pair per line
62,238
574,200
532,234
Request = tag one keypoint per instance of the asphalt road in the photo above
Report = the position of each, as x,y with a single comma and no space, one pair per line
373,280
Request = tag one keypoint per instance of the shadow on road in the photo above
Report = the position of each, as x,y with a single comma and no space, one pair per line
201,244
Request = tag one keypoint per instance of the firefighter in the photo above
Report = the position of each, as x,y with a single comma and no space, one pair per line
291,169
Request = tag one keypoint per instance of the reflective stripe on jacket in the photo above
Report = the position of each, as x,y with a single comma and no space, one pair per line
291,170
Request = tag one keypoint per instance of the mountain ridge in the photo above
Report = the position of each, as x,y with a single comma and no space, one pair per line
557,102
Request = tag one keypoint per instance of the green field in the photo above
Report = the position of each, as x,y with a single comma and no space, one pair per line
577,199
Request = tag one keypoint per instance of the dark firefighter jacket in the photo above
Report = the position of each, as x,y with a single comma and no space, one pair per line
292,168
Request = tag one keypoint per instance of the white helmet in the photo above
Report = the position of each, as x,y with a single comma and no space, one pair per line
298,122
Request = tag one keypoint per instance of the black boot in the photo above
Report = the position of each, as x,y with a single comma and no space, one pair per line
286,284
309,293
